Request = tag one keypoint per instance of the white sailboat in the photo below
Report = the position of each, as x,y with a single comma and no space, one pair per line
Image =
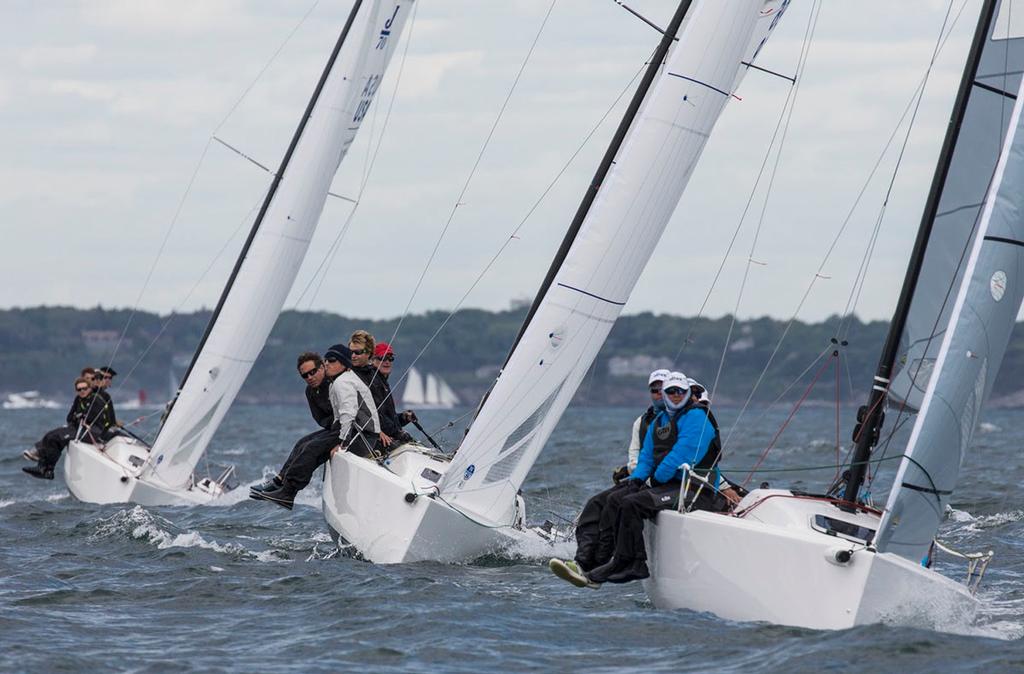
436,394
419,505
125,470
832,563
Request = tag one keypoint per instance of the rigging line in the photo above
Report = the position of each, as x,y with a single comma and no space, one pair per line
782,395
782,428
166,324
899,159
739,227
812,23
188,190
831,248
513,235
328,259
268,170
472,173
797,469
267,65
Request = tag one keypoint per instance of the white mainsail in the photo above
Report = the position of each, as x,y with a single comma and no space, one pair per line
576,311
974,342
433,391
278,244
412,394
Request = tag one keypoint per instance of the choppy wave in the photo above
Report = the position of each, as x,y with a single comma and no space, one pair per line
141,525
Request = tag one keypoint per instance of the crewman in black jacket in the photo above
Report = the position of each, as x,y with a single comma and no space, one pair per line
318,376
86,419
391,421
102,380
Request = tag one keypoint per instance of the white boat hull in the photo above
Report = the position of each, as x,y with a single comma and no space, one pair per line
112,476
372,508
772,565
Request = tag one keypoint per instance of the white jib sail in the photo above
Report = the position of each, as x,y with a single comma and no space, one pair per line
447,397
972,349
616,239
268,271
433,393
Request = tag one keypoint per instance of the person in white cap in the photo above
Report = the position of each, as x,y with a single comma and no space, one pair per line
639,432
589,522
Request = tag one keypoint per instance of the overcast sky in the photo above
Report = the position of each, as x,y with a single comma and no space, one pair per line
106,108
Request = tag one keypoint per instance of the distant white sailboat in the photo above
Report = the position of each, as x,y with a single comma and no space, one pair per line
125,470
435,394
29,400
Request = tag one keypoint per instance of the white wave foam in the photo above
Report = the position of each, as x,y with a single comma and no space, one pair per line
310,496
6,502
988,427
142,525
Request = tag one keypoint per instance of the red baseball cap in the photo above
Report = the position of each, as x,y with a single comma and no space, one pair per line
382,349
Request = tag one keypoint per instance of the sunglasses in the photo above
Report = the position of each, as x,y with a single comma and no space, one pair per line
389,359
309,373
358,352
674,391
655,389
81,388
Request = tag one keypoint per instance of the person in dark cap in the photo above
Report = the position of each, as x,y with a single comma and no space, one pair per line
391,421
311,450
102,380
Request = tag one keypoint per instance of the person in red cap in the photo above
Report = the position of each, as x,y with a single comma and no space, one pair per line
391,421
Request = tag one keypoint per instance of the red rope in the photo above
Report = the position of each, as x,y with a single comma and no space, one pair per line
778,433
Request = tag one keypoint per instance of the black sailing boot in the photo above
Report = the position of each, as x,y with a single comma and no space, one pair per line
269,484
283,496
635,570
40,471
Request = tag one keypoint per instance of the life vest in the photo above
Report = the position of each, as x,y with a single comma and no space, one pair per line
646,419
665,437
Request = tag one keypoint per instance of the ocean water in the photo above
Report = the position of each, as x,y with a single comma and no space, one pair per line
248,586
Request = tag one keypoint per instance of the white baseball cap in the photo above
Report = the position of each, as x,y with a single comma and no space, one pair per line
677,380
657,375
704,397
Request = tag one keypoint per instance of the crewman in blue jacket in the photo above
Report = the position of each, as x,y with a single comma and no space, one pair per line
684,433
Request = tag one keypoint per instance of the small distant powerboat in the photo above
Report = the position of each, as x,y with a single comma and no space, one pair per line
29,400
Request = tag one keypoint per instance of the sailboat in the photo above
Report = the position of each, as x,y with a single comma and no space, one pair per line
127,470
831,562
420,505
436,394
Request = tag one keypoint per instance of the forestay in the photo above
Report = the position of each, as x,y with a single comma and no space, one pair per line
270,262
974,158
976,334
617,237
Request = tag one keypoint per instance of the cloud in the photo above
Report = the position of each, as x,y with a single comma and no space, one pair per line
48,56
423,73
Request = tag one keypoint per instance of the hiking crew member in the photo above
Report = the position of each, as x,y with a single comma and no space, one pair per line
86,413
102,380
587,526
354,411
391,421
318,376
681,434
362,345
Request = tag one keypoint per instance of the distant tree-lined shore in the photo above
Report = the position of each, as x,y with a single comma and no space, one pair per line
43,348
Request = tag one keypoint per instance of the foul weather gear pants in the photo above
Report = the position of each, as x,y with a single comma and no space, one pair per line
600,514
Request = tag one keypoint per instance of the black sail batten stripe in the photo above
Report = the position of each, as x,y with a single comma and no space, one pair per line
995,90
887,358
266,204
703,84
1003,239
607,161
927,490
596,297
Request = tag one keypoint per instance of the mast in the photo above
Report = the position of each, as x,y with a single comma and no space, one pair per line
266,203
667,38
870,427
